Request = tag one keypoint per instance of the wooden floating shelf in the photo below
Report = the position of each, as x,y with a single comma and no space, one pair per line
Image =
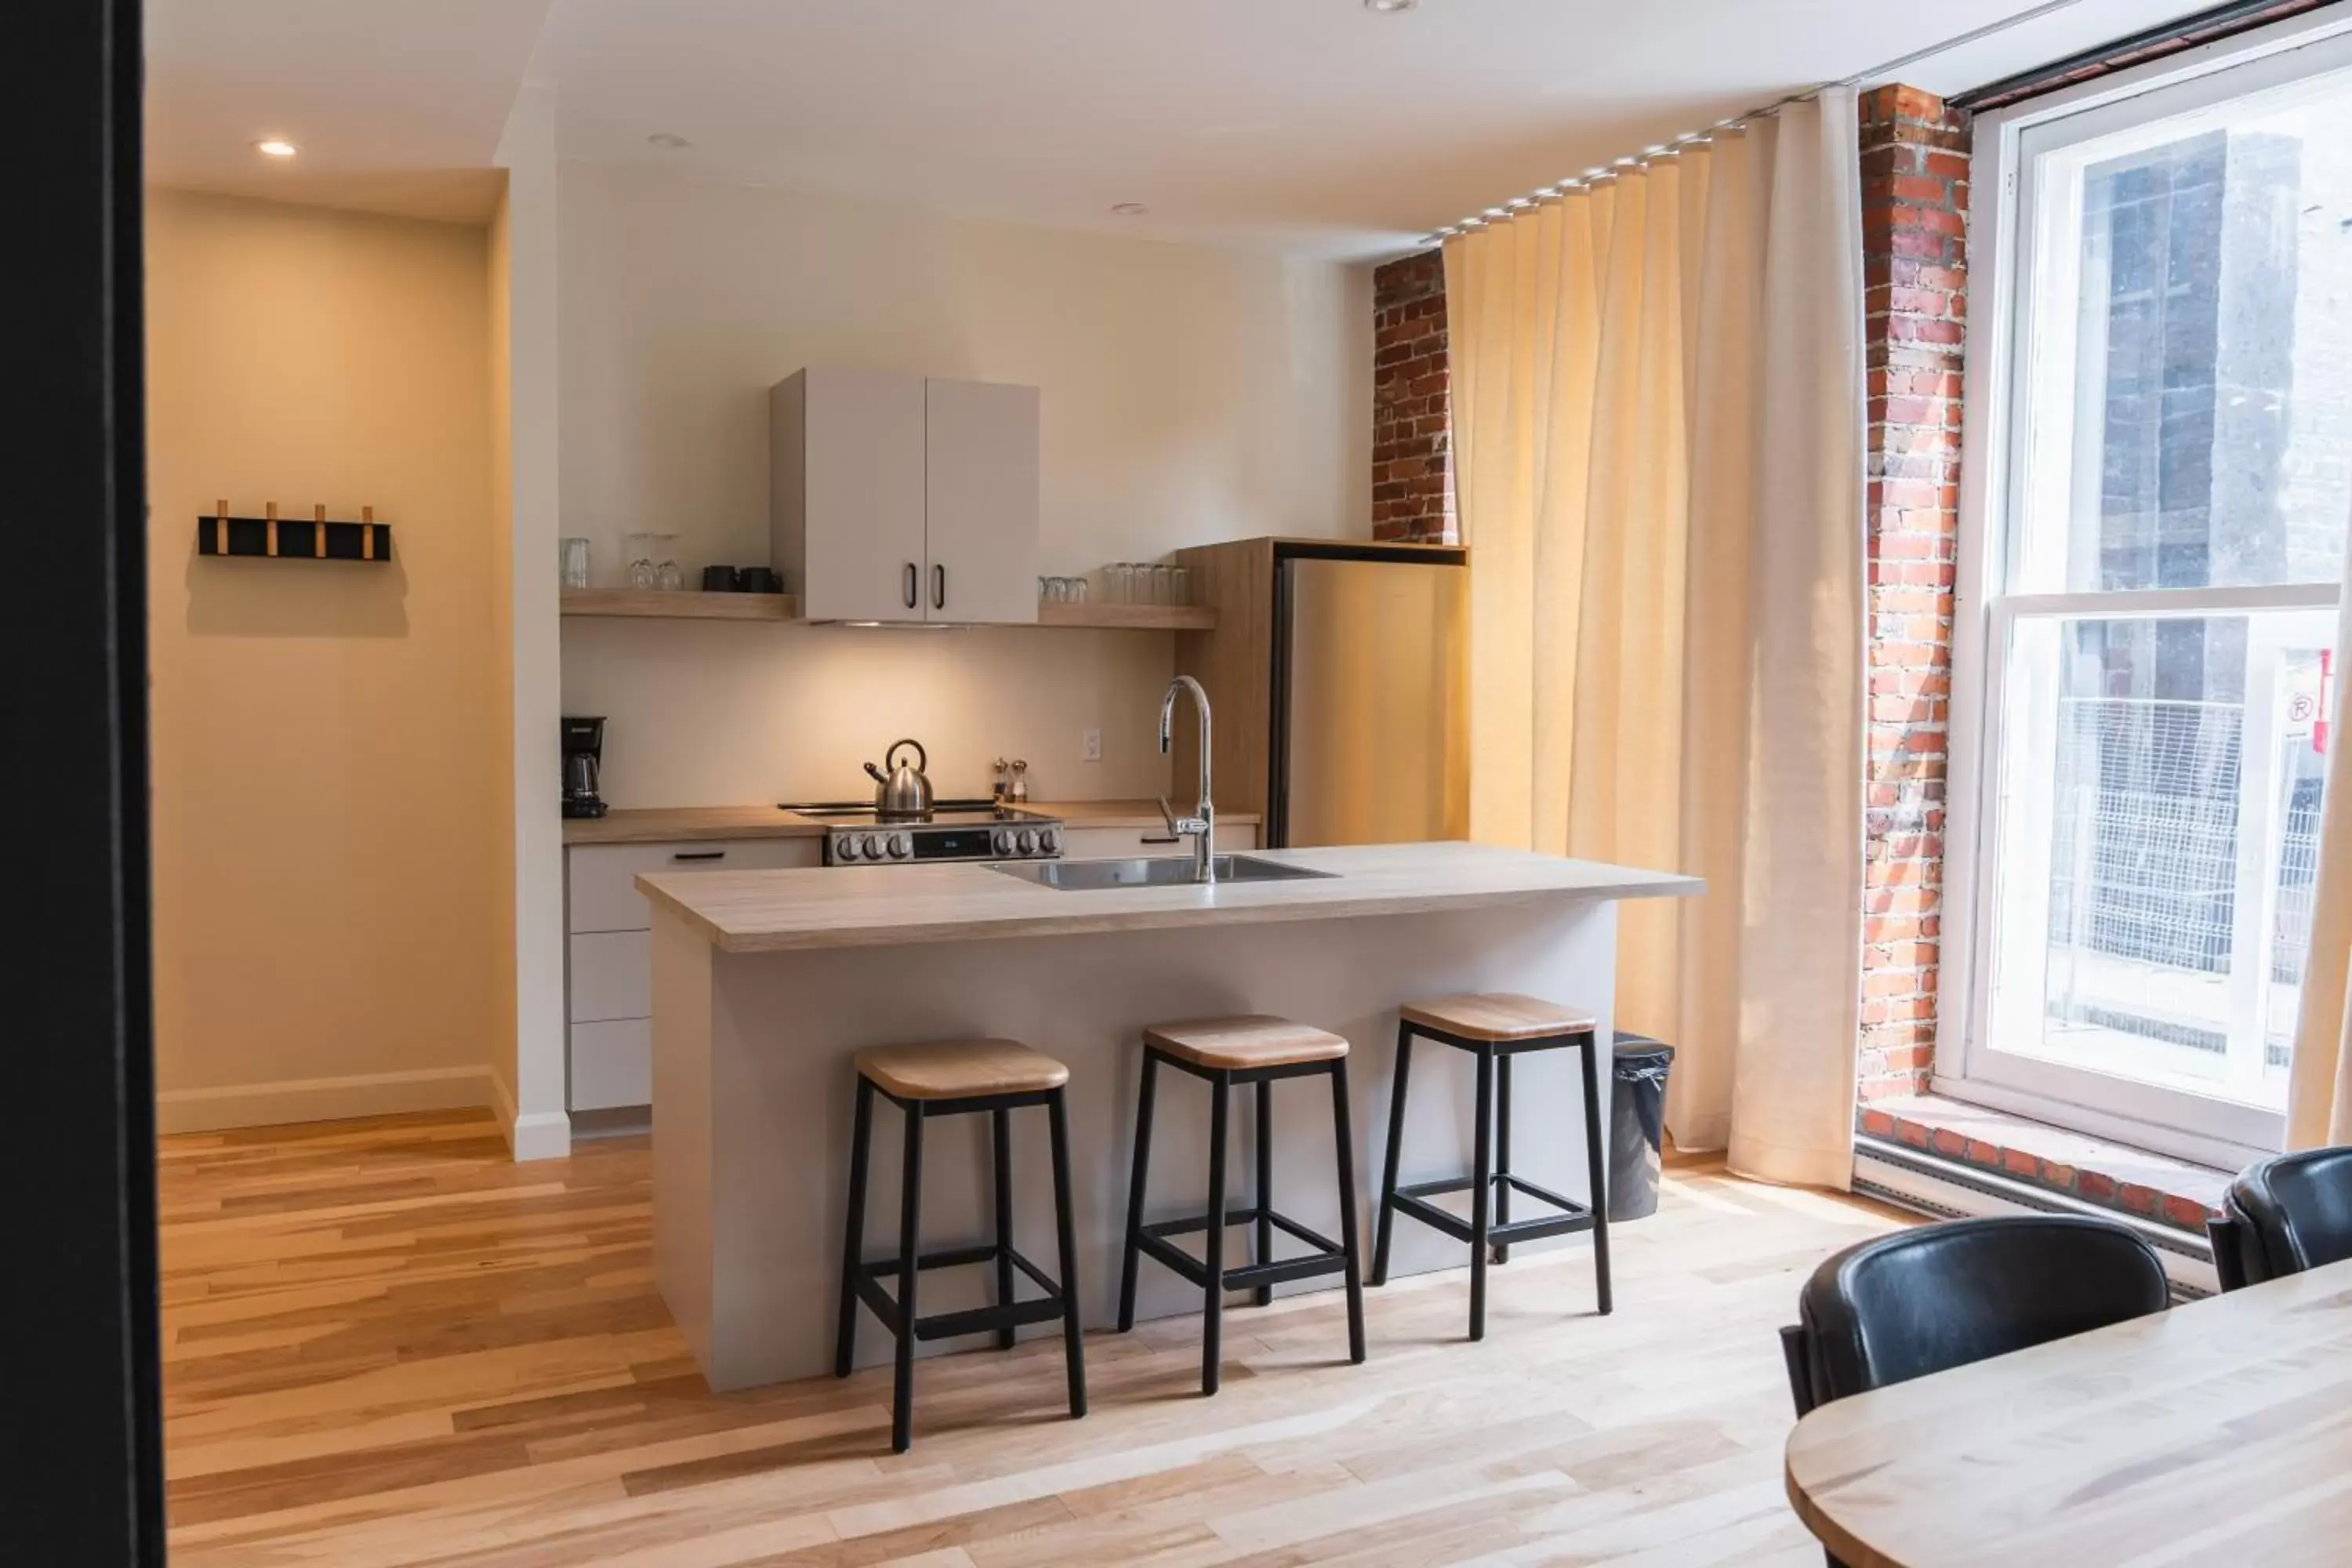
684,605
1129,617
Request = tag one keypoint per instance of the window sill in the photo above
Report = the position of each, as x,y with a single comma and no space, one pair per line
2149,1186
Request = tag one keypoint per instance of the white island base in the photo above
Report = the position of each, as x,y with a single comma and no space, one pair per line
758,1005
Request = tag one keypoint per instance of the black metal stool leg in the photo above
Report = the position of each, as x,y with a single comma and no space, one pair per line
1595,1169
1264,1253
1381,1221
1135,1192
1066,1239
1503,1149
1343,1135
853,1244
1482,1190
910,1208
1213,1313
1000,1134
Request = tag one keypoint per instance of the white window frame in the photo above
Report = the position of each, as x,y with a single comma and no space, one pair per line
2223,1134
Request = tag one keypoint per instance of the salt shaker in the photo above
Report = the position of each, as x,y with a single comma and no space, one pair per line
1019,794
1004,774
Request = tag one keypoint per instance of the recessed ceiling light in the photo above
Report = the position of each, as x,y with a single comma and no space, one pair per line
666,142
1130,209
275,147
1390,7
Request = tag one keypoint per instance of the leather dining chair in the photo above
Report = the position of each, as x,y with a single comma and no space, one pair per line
1945,1295
2282,1216
1941,1296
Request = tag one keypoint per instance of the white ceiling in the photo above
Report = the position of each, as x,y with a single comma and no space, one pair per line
397,105
1314,125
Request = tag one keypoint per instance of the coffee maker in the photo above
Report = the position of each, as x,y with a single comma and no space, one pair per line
584,754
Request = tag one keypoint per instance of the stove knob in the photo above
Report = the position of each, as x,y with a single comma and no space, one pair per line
872,846
1003,841
900,847
846,847
1028,841
1049,842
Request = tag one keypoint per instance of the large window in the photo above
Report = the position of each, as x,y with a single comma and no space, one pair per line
2165,480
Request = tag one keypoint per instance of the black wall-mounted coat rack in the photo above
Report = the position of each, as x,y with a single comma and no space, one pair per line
287,539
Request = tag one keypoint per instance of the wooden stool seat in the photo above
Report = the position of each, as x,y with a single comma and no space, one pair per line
1237,1045
1497,1015
960,1069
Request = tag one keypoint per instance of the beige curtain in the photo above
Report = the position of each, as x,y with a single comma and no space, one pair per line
2319,1074
1658,422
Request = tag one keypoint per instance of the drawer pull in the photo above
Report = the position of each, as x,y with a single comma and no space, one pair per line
1171,838
699,855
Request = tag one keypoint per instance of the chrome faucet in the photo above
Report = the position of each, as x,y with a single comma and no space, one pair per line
1202,825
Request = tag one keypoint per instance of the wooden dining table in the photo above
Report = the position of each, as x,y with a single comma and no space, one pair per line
2218,1432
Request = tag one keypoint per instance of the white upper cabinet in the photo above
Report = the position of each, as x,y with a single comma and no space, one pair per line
895,498
980,482
845,471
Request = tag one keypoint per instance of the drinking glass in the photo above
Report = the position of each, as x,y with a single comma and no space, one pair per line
1077,587
643,574
574,558
1163,583
1182,586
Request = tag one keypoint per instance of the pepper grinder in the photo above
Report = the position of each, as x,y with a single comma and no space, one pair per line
1002,785
1019,792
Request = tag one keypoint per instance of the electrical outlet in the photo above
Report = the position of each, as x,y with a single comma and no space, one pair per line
1090,745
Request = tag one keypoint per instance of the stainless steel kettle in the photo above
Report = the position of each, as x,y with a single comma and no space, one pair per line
903,791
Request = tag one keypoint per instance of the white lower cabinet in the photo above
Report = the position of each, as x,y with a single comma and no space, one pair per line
613,1064
1148,843
609,979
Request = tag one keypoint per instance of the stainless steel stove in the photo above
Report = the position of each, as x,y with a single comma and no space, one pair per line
856,834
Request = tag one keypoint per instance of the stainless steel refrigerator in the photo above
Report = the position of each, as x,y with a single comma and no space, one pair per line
1370,700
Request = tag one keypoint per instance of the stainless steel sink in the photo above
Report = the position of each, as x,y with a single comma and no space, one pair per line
1170,872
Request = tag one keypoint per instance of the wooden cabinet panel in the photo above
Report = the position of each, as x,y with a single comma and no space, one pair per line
980,445
845,454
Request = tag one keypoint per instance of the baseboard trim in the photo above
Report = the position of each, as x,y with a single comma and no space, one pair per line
323,1099
542,1135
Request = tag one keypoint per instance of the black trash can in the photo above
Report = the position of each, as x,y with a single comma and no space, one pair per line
1637,1123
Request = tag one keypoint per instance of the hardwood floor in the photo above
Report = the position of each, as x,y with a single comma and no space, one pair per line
386,1344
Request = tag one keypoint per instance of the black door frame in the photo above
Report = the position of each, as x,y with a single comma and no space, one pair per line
81,1479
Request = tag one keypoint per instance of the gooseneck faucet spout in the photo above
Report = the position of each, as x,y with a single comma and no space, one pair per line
1202,825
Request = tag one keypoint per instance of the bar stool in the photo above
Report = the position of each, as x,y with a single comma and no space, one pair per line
1225,1052
955,1078
1495,1028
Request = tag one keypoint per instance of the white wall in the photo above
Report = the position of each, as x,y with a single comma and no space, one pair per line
528,240
1190,395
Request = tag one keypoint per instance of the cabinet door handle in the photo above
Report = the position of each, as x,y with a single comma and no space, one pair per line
910,585
939,587
1171,838
699,855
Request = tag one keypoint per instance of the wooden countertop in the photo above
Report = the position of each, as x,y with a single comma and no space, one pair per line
658,825
2215,1432
844,906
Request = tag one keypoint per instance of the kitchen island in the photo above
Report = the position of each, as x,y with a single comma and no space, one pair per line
766,981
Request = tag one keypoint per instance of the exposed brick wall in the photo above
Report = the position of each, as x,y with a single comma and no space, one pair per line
1914,203
1413,456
